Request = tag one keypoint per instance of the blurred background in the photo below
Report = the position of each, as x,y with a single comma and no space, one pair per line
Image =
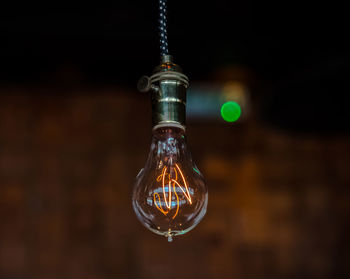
74,133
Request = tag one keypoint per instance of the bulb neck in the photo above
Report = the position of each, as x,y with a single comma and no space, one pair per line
165,130
169,125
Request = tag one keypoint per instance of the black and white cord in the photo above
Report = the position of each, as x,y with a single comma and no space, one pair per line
163,35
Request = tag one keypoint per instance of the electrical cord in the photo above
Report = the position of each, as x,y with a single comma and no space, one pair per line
163,34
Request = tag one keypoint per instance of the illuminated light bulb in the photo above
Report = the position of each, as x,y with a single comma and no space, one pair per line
170,196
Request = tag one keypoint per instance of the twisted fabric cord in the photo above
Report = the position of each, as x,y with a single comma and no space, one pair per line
163,36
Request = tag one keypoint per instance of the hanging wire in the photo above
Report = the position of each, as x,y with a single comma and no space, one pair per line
163,34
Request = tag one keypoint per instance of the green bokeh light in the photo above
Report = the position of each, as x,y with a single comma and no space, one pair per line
230,111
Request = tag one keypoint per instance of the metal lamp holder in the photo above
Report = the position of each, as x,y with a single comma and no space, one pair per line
168,94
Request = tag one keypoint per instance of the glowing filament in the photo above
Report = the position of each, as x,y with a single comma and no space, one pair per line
172,183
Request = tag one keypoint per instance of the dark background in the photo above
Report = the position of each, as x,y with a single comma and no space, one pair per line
74,132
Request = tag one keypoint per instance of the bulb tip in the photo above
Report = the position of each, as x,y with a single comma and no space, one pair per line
170,238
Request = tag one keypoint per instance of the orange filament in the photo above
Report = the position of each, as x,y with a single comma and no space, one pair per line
159,206
177,202
172,184
187,194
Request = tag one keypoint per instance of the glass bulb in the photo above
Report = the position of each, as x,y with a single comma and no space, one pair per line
170,196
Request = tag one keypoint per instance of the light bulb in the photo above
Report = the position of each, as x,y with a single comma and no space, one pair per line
170,196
